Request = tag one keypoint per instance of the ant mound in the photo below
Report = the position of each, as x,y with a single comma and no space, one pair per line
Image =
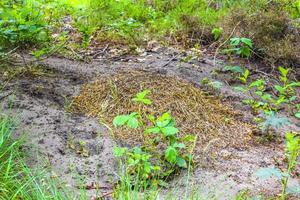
215,125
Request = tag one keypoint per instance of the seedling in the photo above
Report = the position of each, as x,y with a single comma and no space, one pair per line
141,97
292,152
240,46
244,76
217,32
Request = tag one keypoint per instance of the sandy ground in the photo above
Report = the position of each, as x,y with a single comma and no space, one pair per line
79,149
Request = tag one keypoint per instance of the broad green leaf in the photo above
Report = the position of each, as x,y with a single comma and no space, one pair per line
133,122
265,173
297,115
153,130
171,154
169,130
247,41
165,116
120,120
235,41
181,162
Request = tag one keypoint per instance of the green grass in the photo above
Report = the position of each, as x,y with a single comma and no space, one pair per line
17,180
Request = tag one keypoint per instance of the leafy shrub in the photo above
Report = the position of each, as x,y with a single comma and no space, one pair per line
163,153
22,23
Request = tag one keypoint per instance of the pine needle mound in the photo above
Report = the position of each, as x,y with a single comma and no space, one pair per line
215,125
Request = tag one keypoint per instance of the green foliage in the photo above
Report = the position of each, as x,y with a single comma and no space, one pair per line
150,163
217,33
240,46
233,69
292,152
130,120
141,97
22,23
269,103
244,76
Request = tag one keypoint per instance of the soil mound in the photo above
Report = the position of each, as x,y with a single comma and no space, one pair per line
216,125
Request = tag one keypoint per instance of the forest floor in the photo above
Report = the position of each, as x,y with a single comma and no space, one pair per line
78,149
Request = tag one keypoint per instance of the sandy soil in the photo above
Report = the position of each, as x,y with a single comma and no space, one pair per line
79,149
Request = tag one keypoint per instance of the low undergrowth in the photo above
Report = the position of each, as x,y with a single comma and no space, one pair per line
73,27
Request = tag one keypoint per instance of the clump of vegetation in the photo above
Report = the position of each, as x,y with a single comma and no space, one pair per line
292,152
163,153
267,103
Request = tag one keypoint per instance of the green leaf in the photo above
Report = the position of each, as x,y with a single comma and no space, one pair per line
171,154
147,167
217,32
147,101
180,162
265,173
283,71
169,130
247,41
294,84
179,145
235,69
279,88
133,122
235,41
153,130
120,120
143,93
119,152
297,115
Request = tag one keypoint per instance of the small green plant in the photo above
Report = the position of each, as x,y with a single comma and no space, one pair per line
240,46
149,162
292,152
286,90
263,100
138,164
217,33
244,76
